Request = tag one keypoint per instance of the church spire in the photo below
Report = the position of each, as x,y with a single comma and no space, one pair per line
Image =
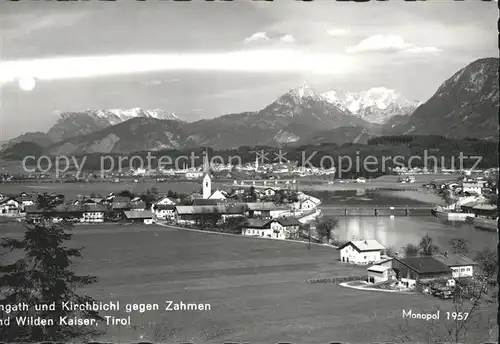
207,180
206,164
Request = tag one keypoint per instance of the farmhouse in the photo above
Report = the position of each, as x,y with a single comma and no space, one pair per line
93,213
413,269
25,200
461,265
9,206
192,213
261,209
285,228
258,227
164,211
307,204
165,200
135,216
380,273
361,251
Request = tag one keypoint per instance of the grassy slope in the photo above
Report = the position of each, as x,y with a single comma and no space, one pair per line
256,287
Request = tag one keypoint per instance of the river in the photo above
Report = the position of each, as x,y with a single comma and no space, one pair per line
401,230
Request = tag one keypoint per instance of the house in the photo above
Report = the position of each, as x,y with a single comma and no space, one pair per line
285,228
25,200
136,216
380,273
307,204
467,207
34,213
461,265
269,192
165,200
164,211
260,209
93,213
472,188
192,213
258,227
9,207
361,251
412,269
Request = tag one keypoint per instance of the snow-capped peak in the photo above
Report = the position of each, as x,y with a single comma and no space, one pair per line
115,116
304,91
376,104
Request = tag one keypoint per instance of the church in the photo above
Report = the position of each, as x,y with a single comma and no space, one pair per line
207,182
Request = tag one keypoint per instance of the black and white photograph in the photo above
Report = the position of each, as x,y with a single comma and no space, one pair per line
249,172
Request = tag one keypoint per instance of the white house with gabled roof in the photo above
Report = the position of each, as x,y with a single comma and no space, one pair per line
361,251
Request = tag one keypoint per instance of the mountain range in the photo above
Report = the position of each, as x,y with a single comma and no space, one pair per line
465,105
376,105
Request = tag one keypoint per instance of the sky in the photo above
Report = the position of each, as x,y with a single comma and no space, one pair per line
203,59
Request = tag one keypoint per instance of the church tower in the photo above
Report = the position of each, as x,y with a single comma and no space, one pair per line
207,179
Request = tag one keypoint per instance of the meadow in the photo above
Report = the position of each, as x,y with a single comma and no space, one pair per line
256,288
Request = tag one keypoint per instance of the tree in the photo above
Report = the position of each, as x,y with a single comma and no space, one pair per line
459,246
390,252
427,247
325,228
43,275
126,193
251,196
410,250
487,261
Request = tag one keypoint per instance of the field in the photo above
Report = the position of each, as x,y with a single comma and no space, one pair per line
256,288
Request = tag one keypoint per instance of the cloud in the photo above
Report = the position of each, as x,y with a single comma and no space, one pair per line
337,32
388,42
252,61
258,36
287,38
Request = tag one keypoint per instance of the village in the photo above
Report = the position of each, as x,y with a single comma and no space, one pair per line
277,211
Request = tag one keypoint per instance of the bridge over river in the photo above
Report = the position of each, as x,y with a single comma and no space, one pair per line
397,210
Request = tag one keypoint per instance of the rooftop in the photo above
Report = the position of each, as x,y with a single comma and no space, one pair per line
455,260
378,268
424,265
257,223
364,245
288,221
138,214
